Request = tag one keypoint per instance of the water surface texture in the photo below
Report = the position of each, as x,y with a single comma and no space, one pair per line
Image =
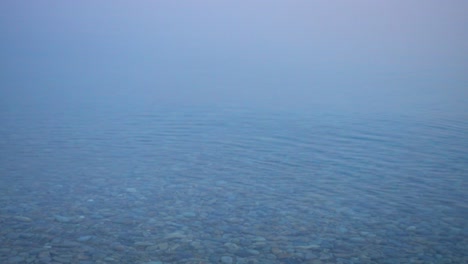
205,185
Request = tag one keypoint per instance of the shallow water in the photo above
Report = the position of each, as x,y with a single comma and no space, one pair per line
194,185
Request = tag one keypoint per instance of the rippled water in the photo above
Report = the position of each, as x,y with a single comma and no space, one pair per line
258,186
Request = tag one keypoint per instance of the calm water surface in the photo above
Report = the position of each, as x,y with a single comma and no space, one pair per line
193,185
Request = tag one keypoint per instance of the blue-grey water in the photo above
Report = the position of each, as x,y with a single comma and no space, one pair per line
207,185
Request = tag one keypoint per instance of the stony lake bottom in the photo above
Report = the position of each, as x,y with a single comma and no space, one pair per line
233,186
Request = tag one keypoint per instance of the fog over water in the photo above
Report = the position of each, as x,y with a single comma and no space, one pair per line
247,132
359,55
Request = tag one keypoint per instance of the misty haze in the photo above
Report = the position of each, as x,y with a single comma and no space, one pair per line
247,132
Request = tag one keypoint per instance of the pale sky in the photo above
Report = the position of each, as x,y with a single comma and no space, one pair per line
360,53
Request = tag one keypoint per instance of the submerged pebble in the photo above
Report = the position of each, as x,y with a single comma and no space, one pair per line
185,188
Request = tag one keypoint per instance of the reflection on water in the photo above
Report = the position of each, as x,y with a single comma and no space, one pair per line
230,186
